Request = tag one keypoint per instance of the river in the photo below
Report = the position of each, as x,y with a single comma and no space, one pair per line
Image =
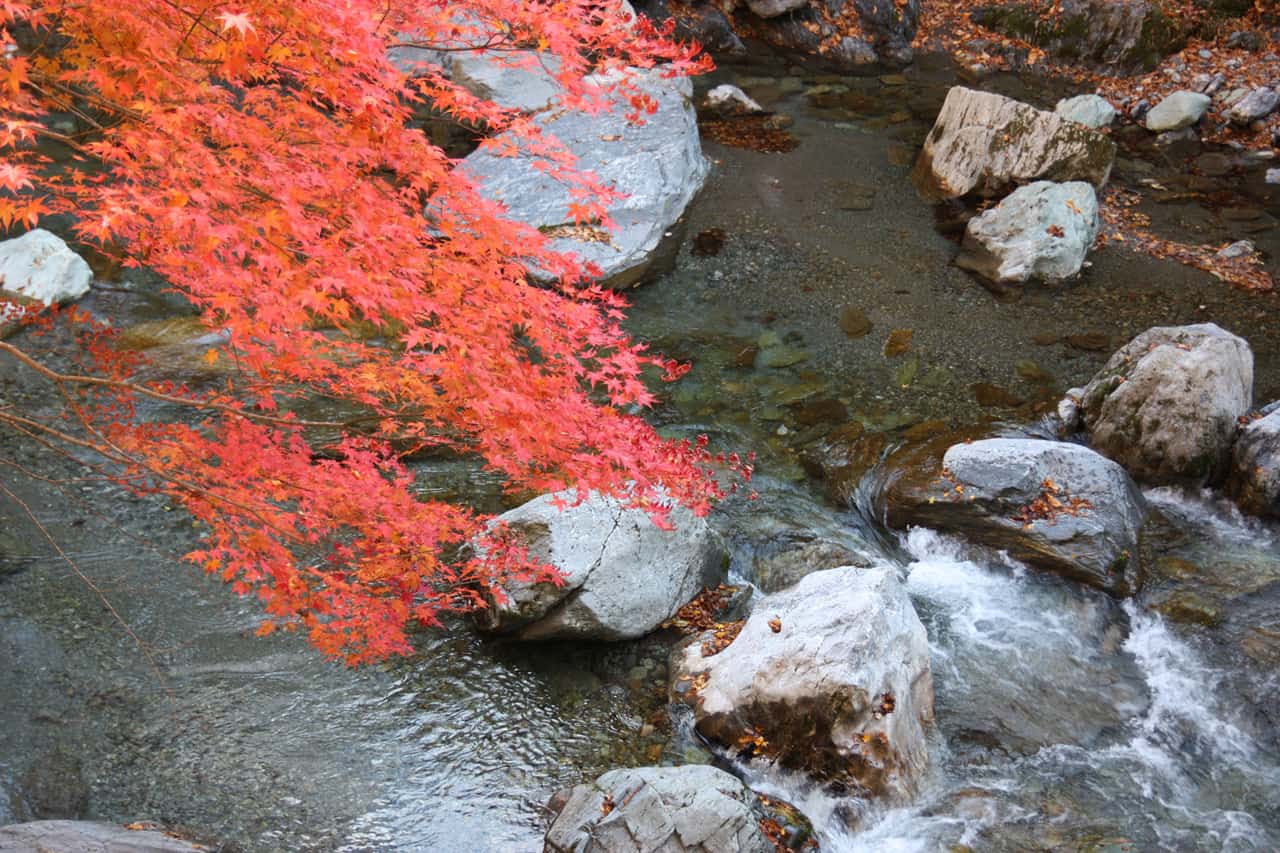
1065,720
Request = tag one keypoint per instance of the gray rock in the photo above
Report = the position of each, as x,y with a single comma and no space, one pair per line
774,8
1273,176
728,100
1068,411
40,268
515,79
660,810
982,142
1165,405
1254,481
1089,110
1238,249
1054,505
821,32
658,165
1042,230
1178,110
1259,103
833,674
70,836
622,575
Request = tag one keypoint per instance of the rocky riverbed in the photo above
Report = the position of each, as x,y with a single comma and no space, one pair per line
816,298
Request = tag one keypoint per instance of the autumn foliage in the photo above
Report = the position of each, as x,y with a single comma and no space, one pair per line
260,157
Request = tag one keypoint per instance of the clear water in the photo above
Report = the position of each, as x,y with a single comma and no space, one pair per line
1065,720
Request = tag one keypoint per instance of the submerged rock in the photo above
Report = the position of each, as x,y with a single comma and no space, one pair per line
1089,110
663,810
982,142
622,575
1053,505
1254,481
830,677
72,836
658,165
1178,110
1165,405
39,267
1042,230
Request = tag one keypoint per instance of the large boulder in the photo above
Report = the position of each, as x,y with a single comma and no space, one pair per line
39,268
1042,230
880,37
1114,36
1255,466
517,80
1176,111
1056,506
704,23
830,677
694,808
982,143
658,166
1165,406
73,836
623,576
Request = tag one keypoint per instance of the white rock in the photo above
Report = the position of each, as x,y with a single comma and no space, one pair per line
728,100
622,575
1042,230
1089,110
1180,109
833,673
39,265
1165,405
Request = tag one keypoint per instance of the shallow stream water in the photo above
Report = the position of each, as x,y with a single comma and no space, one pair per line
1065,720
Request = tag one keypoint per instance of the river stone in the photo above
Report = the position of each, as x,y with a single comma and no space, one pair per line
71,836
660,810
982,142
727,100
1178,110
658,165
1042,230
622,575
40,267
1255,467
1165,405
1000,492
774,8
1259,103
1089,110
832,673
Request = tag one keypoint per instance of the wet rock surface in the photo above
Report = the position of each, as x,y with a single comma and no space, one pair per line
982,142
832,676
622,575
1165,405
696,808
1254,481
65,836
1056,506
